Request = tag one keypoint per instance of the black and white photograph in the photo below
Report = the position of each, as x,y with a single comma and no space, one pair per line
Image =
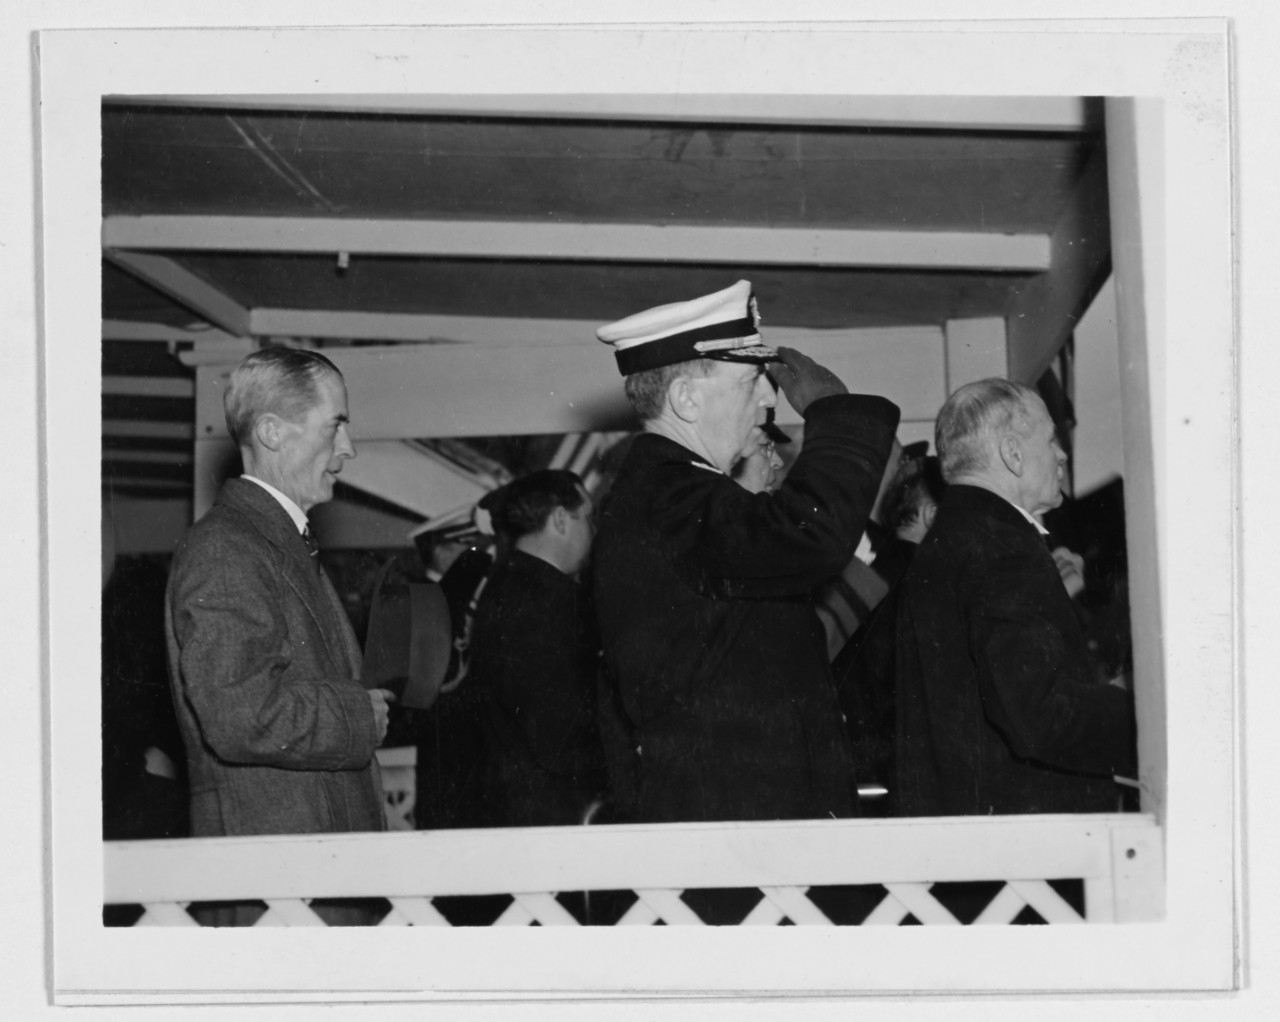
626,509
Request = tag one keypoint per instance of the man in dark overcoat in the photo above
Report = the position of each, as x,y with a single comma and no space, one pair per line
536,656
264,665
712,648
999,708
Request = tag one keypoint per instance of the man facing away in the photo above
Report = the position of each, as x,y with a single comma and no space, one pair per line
910,504
998,707
535,658
263,663
702,588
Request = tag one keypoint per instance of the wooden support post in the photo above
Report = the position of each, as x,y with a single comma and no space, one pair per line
1046,311
1134,145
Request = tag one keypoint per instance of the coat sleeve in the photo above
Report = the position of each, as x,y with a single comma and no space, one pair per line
257,688
733,544
1037,683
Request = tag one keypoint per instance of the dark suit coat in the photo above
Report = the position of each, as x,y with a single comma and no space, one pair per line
999,709
716,657
264,668
535,657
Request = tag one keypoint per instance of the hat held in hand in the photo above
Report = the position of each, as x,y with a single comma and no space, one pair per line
724,326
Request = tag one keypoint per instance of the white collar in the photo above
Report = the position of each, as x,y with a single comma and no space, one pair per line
1031,518
865,553
296,513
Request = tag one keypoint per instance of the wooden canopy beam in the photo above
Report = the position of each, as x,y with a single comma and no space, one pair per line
184,287
1045,313
933,250
970,113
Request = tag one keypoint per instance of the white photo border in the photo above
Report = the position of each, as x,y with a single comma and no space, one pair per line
1181,63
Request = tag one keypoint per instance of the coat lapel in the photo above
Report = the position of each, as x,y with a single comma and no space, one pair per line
313,588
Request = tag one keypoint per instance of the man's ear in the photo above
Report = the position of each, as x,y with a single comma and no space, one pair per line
559,520
684,399
269,431
928,513
1011,453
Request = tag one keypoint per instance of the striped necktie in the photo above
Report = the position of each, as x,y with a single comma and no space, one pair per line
313,548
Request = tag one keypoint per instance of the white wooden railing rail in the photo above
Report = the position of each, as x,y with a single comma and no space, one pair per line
1117,857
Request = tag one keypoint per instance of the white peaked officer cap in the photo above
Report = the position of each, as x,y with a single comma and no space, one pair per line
724,326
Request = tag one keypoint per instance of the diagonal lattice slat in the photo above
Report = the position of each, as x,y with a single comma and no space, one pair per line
1002,909
1038,900
765,913
639,914
514,915
546,910
779,903
165,913
1045,900
394,918
289,912
414,912
890,912
796,906
923,905
398,810
683,875
669,908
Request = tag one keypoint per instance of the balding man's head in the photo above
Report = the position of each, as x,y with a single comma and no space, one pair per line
969,425
999,435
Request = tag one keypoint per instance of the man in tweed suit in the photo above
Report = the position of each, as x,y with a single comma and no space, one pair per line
263,663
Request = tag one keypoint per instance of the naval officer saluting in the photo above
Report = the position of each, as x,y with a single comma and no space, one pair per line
712,650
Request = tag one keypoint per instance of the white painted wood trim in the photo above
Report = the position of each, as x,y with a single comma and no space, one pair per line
397,756
672,856
933,250
135,330
501,331
1005,906
973,113
1045,313
185,287
1053,908
399,326
923,905
456,390
412,478
1137,185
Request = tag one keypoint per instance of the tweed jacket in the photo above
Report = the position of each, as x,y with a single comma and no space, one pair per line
714,654
999,706
264,668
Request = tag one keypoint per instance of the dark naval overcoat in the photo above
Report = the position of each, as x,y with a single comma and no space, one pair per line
713,652
999,706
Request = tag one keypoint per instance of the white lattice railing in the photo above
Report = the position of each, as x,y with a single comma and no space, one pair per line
802,872
399,785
